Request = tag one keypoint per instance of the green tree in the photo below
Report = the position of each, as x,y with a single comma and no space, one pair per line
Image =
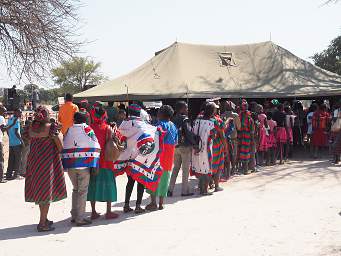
77,74
330,59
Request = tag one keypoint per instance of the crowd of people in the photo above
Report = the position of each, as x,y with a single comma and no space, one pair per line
94,144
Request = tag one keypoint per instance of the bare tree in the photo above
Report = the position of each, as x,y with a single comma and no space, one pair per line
36,34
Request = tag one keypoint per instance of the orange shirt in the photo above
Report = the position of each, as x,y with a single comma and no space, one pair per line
65,116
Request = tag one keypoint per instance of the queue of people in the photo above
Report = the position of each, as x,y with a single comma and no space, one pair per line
225,139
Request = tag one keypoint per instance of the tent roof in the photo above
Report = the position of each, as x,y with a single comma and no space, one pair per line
203,71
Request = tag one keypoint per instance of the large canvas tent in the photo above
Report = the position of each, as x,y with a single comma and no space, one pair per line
182,70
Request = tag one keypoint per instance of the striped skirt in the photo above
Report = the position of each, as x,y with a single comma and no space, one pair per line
45,181
245,146
218,156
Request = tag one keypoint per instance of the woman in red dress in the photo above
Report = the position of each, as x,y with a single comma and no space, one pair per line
320,122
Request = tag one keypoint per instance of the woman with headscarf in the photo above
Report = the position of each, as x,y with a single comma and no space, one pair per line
246,138
45,181
102,186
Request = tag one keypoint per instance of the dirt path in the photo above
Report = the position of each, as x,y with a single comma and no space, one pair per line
284,210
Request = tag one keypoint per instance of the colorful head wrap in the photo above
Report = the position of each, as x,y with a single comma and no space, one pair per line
40,117
134,110
230,104
275,102
244,105
98,113
42,114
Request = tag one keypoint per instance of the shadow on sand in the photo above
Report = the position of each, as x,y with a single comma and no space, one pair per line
65,225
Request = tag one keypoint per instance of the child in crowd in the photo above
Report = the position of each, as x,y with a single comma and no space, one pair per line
281,135
165,113
262,135
272,144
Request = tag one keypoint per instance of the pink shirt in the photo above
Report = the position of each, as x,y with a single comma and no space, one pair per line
272,124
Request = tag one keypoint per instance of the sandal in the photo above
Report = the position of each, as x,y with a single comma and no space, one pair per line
49,222
111,215
84,222
127,209
151,207
139,210
95,215
45,228
161,207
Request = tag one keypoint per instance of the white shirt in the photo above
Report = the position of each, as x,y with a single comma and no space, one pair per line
310,122
2,122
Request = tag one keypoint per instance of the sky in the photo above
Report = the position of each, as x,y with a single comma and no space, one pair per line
124,34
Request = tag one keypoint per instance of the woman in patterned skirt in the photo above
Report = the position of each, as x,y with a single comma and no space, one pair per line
45,181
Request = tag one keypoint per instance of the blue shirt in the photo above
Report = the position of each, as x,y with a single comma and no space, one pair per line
13,139
171,137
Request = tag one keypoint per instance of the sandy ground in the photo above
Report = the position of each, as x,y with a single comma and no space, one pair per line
284,210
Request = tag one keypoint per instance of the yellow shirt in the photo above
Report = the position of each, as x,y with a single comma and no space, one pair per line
65,116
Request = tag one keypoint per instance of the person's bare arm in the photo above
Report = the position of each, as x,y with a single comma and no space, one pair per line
237,123
10,126
18,136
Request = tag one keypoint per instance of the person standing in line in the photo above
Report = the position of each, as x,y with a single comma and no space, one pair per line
122,115
35,99
281,134
263,134
80,156
289,122
102,186
143,113
220,148
233,138
134,112
272,144
84,106
310,114
2,125
167,156
183,150
205,161
25,148
336,135
15,145
320,122
44,181
246,138
66,113
112,112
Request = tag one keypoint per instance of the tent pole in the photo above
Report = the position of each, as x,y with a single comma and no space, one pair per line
187,98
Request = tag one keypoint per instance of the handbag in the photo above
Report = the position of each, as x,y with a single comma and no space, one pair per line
112,150
58,142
